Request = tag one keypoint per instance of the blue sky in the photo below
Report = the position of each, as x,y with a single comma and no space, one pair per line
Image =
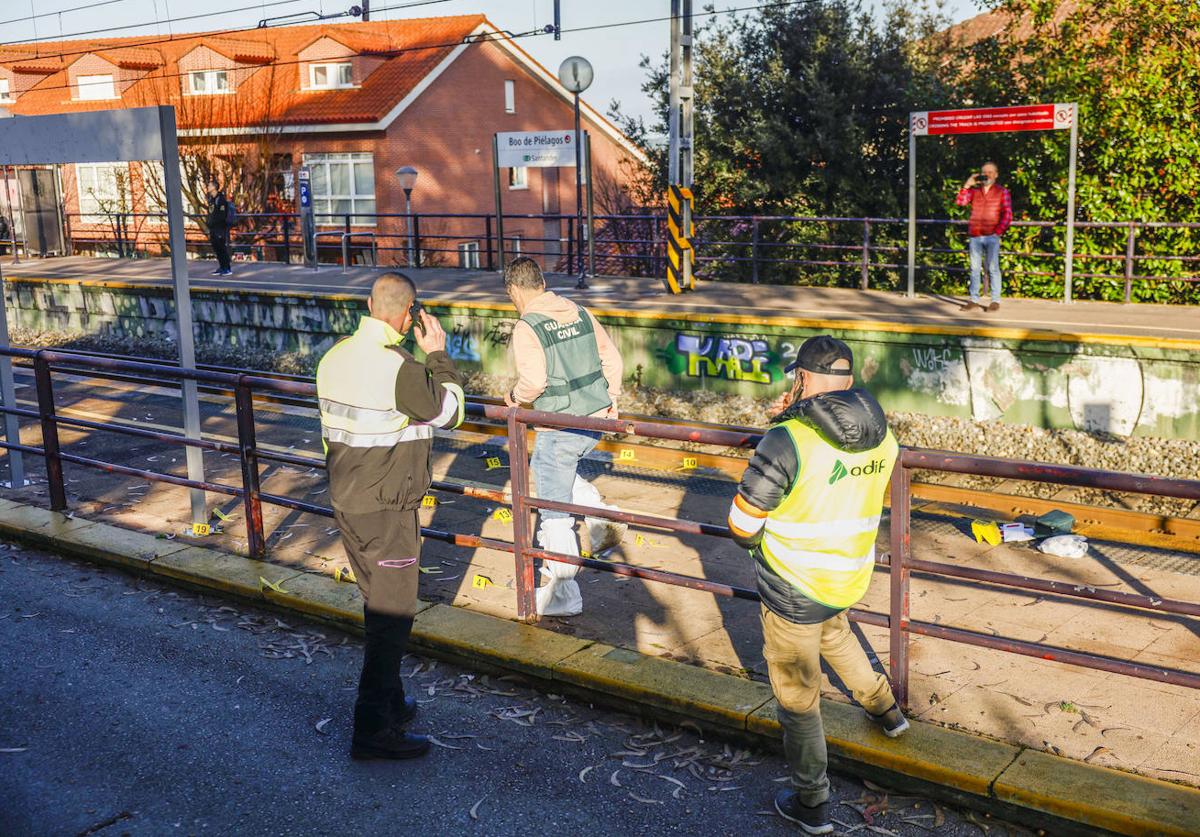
614,53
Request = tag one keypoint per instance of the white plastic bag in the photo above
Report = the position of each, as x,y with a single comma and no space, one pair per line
602,534
1065,546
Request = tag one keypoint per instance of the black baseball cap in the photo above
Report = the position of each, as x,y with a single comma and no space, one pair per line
823,354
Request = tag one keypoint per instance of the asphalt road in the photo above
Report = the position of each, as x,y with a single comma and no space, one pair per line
133,708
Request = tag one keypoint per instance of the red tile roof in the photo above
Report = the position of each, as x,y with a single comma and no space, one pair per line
271,94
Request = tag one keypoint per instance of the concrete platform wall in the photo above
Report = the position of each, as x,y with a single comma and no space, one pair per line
1122,386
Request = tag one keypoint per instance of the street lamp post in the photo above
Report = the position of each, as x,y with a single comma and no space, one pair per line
576,75
407,175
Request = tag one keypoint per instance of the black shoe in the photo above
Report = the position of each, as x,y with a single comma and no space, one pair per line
893,723
403,709
390,743
813,820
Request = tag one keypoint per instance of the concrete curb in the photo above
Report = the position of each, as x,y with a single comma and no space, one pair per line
1027,786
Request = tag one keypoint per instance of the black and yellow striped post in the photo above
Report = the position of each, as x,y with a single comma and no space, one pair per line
680,230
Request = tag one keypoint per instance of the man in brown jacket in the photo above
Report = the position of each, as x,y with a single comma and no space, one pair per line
379,409
565,363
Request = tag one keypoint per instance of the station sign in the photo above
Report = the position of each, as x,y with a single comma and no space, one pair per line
535,149
1046,117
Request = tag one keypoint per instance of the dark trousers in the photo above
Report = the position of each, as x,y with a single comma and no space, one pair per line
218,237
384,548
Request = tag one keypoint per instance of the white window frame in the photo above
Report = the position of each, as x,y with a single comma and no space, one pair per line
91,189
468,255
333,75
94,83
510,96
5,90
211,87
328,159
518,177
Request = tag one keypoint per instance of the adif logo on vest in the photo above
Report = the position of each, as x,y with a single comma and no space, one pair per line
840,470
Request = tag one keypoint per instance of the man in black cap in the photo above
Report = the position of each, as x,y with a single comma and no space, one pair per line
808,509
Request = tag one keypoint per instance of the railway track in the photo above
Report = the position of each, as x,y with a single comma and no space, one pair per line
1094,521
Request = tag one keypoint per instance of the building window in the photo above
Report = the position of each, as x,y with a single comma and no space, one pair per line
208,82
95,87
330,76
468,255
103,190
510,96
5,96
518,177
343,184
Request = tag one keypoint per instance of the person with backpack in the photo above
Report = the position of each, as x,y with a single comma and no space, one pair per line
222,215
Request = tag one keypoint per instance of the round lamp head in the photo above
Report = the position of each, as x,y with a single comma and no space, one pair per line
407,176
575,73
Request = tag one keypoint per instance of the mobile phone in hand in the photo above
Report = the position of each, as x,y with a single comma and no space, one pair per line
414,312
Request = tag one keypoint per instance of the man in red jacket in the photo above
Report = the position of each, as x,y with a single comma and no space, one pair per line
991,216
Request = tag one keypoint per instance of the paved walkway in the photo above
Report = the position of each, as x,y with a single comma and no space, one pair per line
1108,719
136,709
1016,318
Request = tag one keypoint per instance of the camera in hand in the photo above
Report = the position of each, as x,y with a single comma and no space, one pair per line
982,179
414,312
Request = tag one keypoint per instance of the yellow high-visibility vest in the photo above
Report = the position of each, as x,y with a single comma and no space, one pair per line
821,538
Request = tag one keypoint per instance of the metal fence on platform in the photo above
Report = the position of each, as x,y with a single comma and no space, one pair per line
1111,259
900,564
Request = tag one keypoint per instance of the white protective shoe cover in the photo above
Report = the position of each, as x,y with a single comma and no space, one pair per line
602,534
560,595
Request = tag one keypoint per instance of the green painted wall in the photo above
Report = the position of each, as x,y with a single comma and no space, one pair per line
1108,387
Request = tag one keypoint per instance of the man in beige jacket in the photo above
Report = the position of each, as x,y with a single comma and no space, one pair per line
565,363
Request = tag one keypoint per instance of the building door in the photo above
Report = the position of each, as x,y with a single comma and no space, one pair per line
39,208
552,228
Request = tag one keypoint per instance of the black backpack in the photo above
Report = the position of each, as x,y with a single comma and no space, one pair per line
231,213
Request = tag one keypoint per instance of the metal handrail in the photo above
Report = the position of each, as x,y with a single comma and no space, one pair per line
898,562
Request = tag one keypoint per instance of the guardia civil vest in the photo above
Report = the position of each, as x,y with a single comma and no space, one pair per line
821,538
575,382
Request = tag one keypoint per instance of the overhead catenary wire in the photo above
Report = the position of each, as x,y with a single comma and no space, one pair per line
37,15
392,53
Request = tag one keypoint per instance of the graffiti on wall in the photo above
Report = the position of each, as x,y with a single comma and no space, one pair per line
461,345
724,356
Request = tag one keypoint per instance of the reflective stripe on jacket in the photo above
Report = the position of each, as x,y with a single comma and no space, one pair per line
821,538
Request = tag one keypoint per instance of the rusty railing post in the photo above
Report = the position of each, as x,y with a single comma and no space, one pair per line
1130,245
900,524
243,399
754,239
491,251
518,463
54,468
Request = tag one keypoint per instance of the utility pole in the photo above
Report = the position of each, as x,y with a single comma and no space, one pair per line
680,126
366,10
680,118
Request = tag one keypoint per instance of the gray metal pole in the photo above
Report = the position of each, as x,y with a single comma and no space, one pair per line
673,102
1069,268
408,221
499,204
582,283
591,217
183,303
686,123
8,392
912,211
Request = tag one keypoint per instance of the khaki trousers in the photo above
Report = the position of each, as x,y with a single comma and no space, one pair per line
793,653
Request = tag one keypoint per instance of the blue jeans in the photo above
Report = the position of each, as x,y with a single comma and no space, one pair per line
981,247
555,461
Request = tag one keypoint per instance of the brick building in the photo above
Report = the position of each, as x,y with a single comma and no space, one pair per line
353,102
